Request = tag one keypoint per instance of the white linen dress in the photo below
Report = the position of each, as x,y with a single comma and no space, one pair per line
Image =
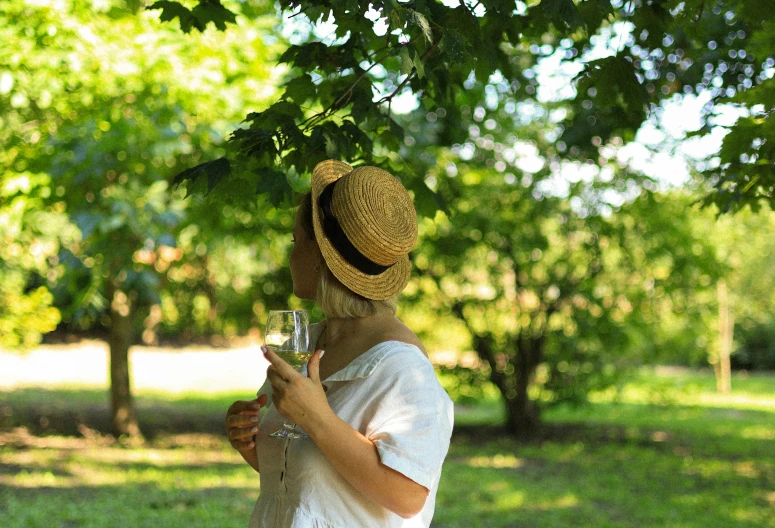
392,396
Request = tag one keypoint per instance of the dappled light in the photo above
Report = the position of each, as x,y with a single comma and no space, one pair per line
75,463
651,454
497,461
603,322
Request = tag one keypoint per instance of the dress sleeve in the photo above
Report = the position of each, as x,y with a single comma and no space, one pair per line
413,417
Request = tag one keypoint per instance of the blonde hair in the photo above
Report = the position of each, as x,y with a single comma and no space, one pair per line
334,298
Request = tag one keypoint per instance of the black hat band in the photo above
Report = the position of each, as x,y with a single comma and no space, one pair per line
339,240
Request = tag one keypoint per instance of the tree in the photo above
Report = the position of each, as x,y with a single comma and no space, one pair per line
560,283
745,244
107,119
630,57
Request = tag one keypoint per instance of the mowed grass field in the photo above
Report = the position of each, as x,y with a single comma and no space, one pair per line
664,451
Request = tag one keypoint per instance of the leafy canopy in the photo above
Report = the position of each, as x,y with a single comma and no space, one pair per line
351,61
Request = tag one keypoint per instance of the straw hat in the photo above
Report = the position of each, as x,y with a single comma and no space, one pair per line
365,225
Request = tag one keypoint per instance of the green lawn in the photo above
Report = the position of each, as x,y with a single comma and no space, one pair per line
664,451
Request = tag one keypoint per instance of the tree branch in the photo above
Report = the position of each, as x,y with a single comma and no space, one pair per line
389,98
311,121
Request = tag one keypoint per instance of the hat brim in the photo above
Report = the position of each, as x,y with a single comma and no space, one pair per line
376,287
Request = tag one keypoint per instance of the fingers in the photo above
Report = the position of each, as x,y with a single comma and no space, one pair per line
242,422
275,378
313,366
284,369
243,434
246,406
243,439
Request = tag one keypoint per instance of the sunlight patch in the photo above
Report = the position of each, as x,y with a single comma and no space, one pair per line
747,469
758,432
497,462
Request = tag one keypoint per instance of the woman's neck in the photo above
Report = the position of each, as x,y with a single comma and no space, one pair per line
340,330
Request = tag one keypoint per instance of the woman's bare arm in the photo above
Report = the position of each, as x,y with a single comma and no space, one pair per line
302,400
356,458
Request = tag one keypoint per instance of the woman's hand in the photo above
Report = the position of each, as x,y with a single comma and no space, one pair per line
242,423
298,398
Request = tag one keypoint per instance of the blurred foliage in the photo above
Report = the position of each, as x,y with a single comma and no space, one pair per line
563,274
109,120
755,345
466,384
31,236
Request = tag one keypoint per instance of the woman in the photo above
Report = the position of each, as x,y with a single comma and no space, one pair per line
378,421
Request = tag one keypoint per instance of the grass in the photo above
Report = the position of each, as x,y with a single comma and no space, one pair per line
664,451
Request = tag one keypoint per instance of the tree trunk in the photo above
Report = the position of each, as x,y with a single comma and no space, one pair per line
523,417
124,418
726,325
522,413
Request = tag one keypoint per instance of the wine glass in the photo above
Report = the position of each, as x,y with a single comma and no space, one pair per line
287,335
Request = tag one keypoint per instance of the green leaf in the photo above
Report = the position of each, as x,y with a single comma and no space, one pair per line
358,137
172,10
392,11
332,148
418,65
300,89
212,11
419,20
616,84
255,142
312,55
453,45
426,201
284,108
406,61
562,13
275,185
595,13
215,171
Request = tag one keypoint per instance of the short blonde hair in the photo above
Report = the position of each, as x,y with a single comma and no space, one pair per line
334,298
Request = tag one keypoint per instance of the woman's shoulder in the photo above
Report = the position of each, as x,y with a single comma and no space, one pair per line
398,331
404,368
395,357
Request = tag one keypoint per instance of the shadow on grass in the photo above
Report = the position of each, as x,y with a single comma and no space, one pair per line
604,475
68,412
612,465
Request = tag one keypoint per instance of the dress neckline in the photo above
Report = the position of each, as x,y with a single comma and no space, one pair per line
364,365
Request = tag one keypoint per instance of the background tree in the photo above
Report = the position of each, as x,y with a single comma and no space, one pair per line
108,119
559,279
745,243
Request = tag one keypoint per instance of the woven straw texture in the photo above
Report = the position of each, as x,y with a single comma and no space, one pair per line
377,216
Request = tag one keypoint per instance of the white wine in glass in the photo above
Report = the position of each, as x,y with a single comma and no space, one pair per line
296,359
287,335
